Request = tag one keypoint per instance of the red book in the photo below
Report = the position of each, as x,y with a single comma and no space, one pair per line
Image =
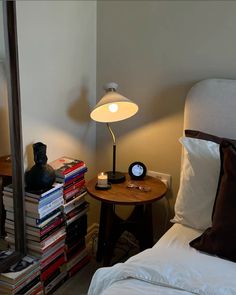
65,165
73,186
46,274
58,221
38,290
48,260
73,179
78,266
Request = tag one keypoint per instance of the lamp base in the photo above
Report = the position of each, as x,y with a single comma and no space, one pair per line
117,177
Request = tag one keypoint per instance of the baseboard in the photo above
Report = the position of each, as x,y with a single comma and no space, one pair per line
91,239
91,232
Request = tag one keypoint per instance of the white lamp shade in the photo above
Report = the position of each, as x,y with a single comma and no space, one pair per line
113,107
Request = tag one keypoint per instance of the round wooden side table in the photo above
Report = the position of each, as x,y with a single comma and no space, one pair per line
139,223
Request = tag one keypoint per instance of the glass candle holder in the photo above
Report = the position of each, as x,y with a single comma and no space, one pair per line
102,179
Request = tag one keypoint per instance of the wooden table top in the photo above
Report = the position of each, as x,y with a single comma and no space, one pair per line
121,194
5,166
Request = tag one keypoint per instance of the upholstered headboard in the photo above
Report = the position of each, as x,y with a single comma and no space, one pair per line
211,107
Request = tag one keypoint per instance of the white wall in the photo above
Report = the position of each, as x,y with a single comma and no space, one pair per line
57,60
156,50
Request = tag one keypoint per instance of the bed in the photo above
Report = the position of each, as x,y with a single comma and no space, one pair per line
197,255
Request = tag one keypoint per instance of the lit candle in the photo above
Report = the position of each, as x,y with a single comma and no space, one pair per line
102,179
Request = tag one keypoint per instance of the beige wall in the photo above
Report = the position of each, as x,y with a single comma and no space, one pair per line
155,51
57,57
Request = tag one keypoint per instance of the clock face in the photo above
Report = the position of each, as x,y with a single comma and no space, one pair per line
137,170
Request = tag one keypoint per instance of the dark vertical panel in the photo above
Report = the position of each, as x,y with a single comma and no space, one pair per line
10,32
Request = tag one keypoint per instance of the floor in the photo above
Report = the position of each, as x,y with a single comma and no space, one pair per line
78,285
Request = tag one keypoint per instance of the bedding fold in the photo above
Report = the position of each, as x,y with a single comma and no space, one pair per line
172,263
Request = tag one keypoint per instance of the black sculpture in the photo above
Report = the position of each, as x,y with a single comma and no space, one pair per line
41,176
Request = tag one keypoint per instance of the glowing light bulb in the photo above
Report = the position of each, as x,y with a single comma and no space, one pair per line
113,107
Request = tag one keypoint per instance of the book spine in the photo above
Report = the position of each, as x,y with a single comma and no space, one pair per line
50,198
51,191
48,218
36,290
75,193
29,285
74,203
69,178
73,176
76,259
26,281
53,249
45,262
73,168
32,207
48,241
51,239
43,213
61,238
72,181
78,266
52,204
38,249
76,248
51,226
54,283
40,196
46,274
73,186
74,218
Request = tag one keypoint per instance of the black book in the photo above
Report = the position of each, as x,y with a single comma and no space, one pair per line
78,225
75,249
29,286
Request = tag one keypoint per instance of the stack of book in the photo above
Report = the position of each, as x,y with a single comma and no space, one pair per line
70,172
45,231
21,278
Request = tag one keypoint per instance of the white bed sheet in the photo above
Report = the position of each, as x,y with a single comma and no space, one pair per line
171,267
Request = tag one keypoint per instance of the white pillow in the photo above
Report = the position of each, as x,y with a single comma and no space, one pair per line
198,183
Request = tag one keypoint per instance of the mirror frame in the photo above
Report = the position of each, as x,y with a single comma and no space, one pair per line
14,105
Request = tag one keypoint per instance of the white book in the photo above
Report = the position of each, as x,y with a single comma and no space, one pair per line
74,203
45,212
76,259
77,216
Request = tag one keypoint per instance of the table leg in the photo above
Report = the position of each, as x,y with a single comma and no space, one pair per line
101,233
109,232
147,238
139,223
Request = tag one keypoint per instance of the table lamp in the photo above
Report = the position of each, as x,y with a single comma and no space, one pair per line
113,107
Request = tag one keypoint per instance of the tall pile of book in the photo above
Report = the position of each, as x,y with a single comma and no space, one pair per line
22,278
70,172
45,231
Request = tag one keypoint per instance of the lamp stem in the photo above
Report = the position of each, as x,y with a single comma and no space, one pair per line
114,160
114,149
112,133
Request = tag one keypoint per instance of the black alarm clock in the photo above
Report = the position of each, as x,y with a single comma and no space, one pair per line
137,170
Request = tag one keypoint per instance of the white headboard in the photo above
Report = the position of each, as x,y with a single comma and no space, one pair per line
211,107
